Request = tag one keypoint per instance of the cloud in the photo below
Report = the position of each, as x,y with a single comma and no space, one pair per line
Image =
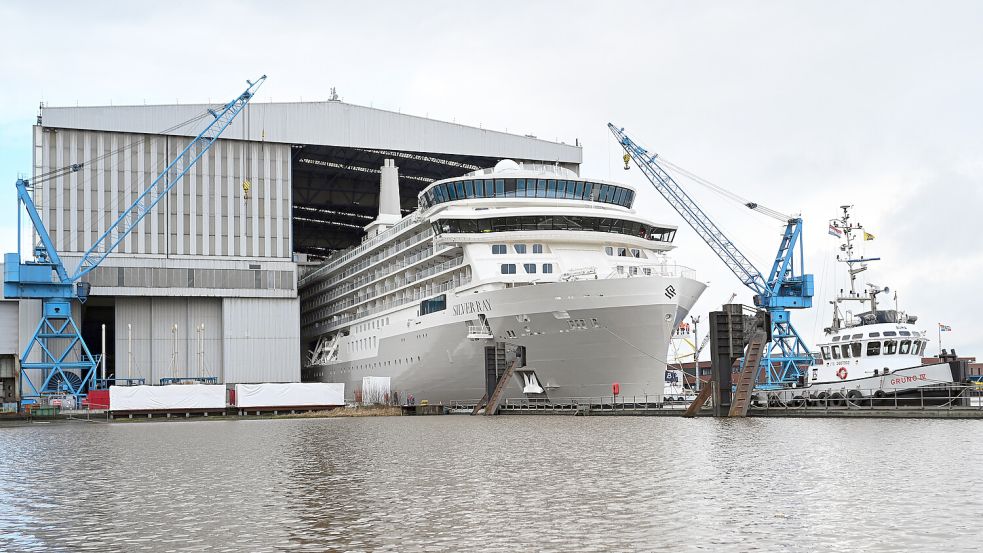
799,106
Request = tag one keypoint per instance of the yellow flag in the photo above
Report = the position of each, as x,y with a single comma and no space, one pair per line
868,236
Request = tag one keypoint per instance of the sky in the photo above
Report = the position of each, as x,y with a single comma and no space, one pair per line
798,106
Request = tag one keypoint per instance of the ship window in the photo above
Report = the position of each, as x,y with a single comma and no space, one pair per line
571,190
508,268
874,334
520,248
905,347
825,352
836,352
891,333
489,188
845,350
520,188
629,198
890,346
609,250
500,187
920,347
836,338
622,252
904,333
635,252
633,270
588,191
529,268
547,268
551,188
578,191
498,249
859,336
855,349
619,195
451,191
647,271
468,189
873,348
459,185
433,305
537,248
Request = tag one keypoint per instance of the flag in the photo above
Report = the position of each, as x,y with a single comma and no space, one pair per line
833,231
868,236
944,328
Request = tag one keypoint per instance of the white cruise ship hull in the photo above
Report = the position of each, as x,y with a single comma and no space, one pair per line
580,338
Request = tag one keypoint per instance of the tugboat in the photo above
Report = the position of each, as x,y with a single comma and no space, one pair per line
874,353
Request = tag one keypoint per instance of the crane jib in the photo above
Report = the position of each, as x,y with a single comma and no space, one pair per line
131,216
787,354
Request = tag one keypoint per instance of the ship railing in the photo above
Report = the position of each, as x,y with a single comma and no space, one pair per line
346,255
388,288
326,326
667,270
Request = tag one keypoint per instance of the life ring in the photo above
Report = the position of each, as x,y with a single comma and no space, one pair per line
841,373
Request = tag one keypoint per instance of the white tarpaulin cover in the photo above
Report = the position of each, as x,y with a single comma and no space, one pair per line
173,397
295,394
375,389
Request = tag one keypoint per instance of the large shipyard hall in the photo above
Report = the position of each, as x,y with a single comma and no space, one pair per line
206,284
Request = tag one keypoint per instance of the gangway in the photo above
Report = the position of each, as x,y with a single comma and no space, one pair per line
741,400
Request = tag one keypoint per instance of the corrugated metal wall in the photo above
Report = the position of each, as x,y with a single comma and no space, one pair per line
154,337
207,213
9,328
262,340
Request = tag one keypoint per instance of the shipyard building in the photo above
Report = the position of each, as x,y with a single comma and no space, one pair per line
207,283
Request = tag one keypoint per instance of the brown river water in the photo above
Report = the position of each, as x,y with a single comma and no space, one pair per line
523,483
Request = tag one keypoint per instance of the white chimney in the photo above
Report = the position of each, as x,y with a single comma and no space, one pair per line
389,213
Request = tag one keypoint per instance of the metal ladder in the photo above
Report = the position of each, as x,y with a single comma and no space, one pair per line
745,384
492,407
701,399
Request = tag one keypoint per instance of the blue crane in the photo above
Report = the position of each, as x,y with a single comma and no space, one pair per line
65,364
786,355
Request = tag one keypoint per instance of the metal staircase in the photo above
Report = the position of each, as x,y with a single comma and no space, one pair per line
492,407
745,384
701,399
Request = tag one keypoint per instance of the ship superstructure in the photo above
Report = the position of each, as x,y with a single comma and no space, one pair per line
529,256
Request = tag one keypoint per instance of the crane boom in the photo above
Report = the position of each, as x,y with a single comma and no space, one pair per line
781,291
57,359
692,214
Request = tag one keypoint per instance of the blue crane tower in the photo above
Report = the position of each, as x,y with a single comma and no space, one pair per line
786,355
63,363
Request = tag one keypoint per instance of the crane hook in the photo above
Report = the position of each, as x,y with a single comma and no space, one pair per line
627,158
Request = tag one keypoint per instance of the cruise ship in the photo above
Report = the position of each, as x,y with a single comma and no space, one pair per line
522,258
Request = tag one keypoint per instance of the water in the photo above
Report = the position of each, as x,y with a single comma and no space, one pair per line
508,483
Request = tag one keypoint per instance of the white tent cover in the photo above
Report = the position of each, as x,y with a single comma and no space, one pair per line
296,394
375,389
172,397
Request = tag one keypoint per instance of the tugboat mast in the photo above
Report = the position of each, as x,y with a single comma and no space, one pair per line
843,227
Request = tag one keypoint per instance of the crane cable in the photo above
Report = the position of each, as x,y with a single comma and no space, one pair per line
724,192
132,144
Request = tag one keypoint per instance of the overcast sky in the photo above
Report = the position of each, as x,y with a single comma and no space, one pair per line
800,106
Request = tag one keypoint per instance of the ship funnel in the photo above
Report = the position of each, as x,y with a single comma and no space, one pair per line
389,190
389,213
